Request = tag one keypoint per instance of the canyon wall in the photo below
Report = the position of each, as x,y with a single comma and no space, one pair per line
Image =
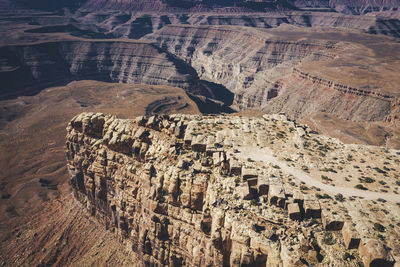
302,95
189,6
244,61
26,69
226,6
178,191
125,24
248,68
261,70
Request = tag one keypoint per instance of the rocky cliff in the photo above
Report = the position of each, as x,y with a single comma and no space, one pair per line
25,69
182,190
225,6
125,24
303,94
189,6
263,70
244,61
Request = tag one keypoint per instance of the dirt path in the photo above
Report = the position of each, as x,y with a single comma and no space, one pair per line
265,155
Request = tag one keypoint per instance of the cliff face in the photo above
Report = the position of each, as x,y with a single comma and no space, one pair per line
28,68
139,24
226,6
243,61
261,69
230,6
302,94
183,190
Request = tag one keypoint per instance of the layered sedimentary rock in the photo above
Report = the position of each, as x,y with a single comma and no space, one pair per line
264,71
25,69
179,190
189,6
227,6
124,24
322,95
242,60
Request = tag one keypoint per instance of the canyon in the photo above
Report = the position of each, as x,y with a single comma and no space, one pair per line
225,133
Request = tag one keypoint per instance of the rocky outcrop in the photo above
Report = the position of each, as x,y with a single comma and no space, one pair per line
173,188
303,94
241,60
340,87
26,69
32,67
188,6
227,6
140,24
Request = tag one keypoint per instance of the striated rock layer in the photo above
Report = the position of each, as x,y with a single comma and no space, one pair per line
136,25
178,191
243,60
25,69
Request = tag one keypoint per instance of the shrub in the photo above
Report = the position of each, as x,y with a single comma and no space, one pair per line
217,145
379,170
379,227
328,239
324,196
339,197
369,180
305,168
361,187
303,187
280,135
347,256
326,178
329,170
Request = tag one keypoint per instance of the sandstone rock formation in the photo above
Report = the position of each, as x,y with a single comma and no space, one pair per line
178,190
217,54
38,66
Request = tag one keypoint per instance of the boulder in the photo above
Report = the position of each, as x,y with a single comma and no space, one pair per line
235,167
248,173
351,237
276,195
199,143
375,254
252,182
188,138
332,220
311,207
294,211
243,191
298,197
263,185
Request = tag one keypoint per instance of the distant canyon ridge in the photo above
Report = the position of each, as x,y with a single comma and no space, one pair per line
234,6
